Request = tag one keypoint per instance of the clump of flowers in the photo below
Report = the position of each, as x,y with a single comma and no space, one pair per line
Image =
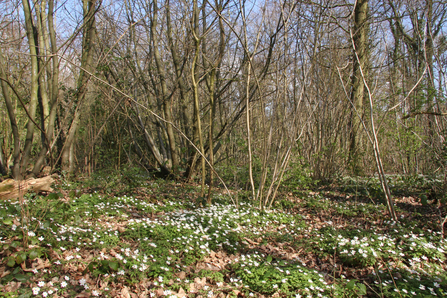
264,275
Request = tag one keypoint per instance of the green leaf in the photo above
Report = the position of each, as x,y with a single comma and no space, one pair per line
11,262
34,241
7,221
33,254
78,219
114,266
362,289
92,266
21,258
267,274
21,277
8,278
53,196
424,200
16,270
269,259
350,285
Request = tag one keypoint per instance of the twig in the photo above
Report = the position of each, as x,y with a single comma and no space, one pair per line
423,113
443,227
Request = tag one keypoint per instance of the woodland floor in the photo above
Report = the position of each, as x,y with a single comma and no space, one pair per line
133,237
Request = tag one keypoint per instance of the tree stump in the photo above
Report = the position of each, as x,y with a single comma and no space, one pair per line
12,189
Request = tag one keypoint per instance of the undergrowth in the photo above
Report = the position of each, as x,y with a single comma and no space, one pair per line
159,242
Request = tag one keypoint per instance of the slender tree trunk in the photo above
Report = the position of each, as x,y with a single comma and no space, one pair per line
166,102
53,86
183,90
373,139
247,120
89,38
3,164
212,78
429,53
361,30
195,83
151,144
42,59
16,174
34,92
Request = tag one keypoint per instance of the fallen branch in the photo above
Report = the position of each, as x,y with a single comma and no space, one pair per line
10,189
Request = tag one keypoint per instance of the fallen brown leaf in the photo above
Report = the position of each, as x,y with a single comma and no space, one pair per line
181,275
181,293
37,265
125,292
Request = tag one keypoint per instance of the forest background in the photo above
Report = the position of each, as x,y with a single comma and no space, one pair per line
266,91
227,148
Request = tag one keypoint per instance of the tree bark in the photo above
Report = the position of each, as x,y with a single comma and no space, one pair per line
183,90
361,30
195,84
166,102
16,174
53,88
151,144
11,189
88,40
34,92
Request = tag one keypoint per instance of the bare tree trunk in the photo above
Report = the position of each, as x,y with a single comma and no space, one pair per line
183,90
3,164
212,79
89,36
249,66
360,40
247,119
151,144
16,174
195,84
166,102
34,92
41,17
53,86
374,141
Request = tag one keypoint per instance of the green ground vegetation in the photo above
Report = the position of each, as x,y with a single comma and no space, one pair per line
155,238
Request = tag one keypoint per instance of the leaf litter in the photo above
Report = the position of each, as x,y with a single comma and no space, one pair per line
162,244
